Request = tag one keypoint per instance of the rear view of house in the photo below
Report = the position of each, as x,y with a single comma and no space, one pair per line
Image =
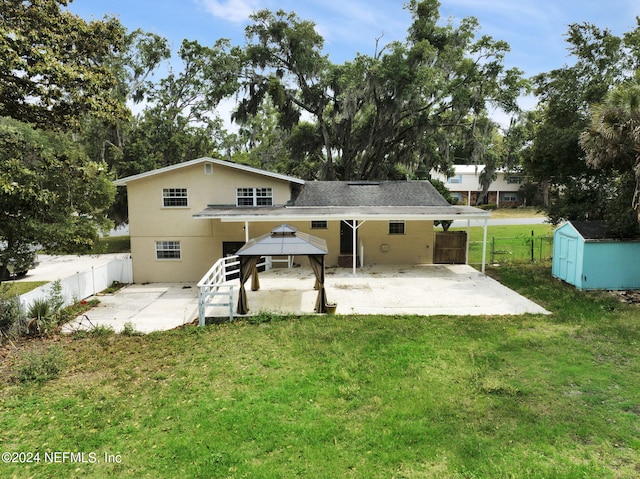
184,217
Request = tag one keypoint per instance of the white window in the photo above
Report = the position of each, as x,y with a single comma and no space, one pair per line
318,225
254,197
396,227
455,180
168,250
175,198
208,168
514,180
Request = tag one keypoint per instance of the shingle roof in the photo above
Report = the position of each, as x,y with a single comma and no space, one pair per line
369,193
591,229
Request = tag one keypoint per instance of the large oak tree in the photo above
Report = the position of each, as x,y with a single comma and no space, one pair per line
401,107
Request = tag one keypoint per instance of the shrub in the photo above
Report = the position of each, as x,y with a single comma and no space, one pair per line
39,365
130,330
9,310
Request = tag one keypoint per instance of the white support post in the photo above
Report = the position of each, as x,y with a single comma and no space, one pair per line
484,245
468,239
246,231
354,230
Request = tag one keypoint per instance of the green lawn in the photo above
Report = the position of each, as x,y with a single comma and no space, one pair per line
511,242
347,396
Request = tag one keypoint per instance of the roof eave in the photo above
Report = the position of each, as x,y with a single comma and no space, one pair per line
238,166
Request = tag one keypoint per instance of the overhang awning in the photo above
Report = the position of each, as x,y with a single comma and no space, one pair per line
282,240
358,213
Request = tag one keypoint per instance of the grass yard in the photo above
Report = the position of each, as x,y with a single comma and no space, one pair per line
332,397
514,241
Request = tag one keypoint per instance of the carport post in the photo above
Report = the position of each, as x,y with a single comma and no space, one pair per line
484,245
468,238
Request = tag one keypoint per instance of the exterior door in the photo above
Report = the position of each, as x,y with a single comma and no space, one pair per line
346,237
568,254
229,248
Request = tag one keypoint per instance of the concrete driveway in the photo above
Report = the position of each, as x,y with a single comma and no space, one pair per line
387,290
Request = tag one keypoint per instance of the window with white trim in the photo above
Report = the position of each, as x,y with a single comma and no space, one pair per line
455,180
514,180
175,198
509,197
168,250
396,227
254,197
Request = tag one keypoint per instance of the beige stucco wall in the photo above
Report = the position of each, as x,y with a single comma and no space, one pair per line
201,240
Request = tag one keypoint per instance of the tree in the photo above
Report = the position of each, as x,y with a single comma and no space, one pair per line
554,158
50,193
398,108
612,143
54,65
133,66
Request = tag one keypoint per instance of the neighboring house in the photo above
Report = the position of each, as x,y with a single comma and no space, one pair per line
585,256
464,185
184,217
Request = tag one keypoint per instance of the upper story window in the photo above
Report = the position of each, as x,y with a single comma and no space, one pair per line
254,197
174,197
455,180
514,180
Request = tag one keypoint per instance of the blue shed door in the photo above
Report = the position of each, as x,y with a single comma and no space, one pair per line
568,254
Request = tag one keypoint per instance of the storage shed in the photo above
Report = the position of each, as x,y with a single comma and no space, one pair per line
586,257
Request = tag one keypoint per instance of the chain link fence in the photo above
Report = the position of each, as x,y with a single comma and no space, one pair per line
523,249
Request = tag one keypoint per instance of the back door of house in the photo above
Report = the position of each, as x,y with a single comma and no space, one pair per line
346,237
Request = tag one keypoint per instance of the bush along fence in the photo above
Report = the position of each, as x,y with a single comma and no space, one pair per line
513,250
83,284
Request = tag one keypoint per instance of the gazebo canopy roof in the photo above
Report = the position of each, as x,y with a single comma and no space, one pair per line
284,240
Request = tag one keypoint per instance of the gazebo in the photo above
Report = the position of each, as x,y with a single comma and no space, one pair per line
284,240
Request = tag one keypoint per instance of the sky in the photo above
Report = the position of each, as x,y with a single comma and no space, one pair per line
534,29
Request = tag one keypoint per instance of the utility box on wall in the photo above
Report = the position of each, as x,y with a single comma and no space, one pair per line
584,256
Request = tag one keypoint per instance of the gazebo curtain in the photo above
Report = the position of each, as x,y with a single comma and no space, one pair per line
317,264
247,267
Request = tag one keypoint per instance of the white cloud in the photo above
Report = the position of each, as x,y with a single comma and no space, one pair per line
235,11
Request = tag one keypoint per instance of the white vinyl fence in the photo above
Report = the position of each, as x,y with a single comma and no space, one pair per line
84,284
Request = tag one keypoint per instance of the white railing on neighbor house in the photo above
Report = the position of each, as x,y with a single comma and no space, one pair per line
83,284
214,289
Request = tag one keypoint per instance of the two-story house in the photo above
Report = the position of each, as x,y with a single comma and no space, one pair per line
184,217
464,185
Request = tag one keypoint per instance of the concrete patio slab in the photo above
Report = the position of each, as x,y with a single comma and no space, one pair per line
388,290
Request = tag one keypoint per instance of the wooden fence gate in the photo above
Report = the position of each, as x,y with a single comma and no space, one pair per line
450,248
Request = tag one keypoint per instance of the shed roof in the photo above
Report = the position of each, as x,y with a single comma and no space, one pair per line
591,230
284,240
596,230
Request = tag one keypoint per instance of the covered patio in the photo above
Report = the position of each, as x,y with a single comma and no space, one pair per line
388,290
